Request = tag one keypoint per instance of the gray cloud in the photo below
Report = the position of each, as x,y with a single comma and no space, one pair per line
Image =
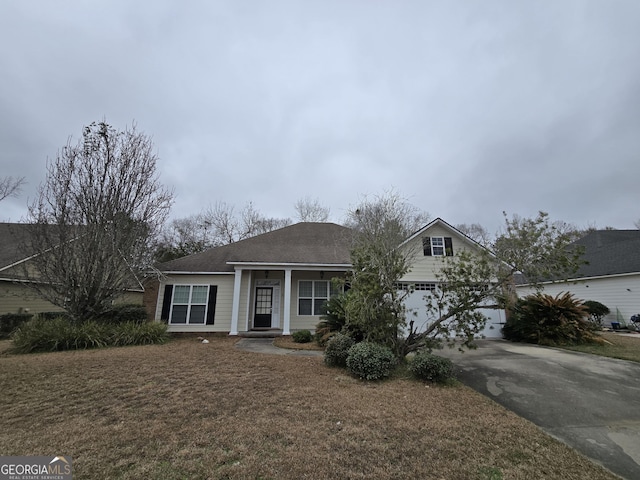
468,109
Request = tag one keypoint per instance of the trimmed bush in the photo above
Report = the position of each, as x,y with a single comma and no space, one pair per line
370,361
302,336
337,351
431,368
10,321
41,335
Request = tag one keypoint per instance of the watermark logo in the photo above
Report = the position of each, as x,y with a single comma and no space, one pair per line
35,468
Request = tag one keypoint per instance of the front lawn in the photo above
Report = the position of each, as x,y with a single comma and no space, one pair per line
193,410
617,346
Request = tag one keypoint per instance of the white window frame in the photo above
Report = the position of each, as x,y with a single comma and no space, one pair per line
331,291
189,304
441,246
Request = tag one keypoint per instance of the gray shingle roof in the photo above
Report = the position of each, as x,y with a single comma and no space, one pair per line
610,252
302,243
12,236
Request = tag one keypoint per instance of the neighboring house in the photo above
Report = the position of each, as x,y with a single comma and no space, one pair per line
280,280
15,295
611,275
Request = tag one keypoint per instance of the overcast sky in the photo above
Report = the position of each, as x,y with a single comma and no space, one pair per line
466,108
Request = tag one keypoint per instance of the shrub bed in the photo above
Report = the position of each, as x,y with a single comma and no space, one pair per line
41,335
370,361
431,368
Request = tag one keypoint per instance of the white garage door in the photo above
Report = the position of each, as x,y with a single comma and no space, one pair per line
416,303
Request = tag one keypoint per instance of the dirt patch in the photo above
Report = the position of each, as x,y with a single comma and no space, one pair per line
194,410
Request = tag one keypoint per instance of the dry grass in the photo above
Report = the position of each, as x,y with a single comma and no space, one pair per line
196,411
616,346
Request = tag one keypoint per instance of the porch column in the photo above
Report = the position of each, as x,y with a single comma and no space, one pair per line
287,303
235,309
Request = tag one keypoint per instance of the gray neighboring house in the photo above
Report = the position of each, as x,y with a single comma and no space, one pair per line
611,276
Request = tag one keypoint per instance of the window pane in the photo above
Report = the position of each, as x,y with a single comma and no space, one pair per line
179,314
321,289
181,294
197,314
199,294
318,303
304,306
305,289
437,245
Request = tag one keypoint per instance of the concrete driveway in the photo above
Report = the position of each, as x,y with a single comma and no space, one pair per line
591,403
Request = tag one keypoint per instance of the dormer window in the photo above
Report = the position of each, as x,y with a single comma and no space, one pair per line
437,246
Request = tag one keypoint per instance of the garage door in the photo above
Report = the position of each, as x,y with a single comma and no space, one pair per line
415,302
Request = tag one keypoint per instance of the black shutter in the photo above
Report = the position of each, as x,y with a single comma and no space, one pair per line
448,247
166,302
426,246
211,310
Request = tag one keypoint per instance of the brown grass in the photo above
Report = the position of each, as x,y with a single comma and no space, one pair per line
616,346
193,410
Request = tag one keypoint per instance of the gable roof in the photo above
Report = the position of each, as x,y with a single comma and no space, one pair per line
441,223
305,243
610,252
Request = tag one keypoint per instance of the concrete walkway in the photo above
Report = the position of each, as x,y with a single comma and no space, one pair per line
265,345
591,403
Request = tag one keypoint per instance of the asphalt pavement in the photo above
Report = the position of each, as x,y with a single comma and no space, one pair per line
591,403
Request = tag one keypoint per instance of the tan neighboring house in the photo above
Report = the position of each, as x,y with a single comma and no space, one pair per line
15,295
279,280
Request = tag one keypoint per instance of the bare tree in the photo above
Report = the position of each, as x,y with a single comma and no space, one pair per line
95,218
310,210
183,236
10,187
637,224
475,232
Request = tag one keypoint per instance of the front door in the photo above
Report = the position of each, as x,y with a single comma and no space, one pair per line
264,307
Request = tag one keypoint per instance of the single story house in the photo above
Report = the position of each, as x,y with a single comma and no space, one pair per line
280,280
15,295
611,275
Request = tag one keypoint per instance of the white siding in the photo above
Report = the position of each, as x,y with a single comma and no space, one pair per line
616,292
423,267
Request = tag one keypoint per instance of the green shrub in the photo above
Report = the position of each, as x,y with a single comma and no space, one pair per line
42,335
332,320
52,315
431,368
370,361
10,321
337,351
547,320
596,311
126,312
131,333
302,336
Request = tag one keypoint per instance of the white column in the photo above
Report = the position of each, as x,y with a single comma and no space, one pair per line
235,309
287,303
